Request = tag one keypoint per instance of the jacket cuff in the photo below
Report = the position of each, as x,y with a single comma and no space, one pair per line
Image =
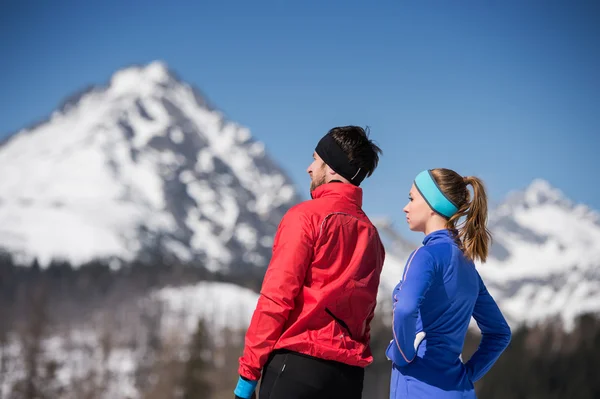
245,388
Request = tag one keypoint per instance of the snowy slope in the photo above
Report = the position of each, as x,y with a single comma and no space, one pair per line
221,305
141,162
397,251
82,358
545,258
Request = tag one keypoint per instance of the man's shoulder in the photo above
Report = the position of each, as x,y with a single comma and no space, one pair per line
303,212
308,208
312,212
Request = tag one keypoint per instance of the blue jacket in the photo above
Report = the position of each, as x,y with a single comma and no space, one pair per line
439,292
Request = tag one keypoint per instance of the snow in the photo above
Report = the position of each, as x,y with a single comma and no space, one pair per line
201,192
78,351
228,213
204,239
266,241
243,135
80,185
555,271
391,275
256,149
144,178
540,189
286,193
569,240
181,251
534,304
177,136
223,139
246,234
186,177
139,79
46,230
205,162
222,305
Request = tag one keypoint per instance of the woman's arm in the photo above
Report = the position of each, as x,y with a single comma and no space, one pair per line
418,275
495,334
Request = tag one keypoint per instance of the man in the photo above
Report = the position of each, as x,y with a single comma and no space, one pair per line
309,335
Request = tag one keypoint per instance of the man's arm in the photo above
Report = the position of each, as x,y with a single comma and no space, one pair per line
292,254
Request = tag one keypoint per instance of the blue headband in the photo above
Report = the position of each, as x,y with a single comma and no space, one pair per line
434,197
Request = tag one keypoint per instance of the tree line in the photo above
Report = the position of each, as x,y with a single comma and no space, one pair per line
41,307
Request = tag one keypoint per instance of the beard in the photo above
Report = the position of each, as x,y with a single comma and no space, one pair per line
317,182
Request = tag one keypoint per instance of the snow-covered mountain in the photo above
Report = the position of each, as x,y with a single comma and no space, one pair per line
544,262
144,162
546,256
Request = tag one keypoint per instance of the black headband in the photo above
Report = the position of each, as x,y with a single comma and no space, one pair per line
331,153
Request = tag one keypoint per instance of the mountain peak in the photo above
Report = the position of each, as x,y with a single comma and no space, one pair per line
538,193
141,77
541,191
166,171
135,80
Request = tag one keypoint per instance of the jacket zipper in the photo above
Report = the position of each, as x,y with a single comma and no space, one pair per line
340,321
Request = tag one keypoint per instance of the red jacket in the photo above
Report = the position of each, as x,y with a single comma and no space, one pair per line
319,292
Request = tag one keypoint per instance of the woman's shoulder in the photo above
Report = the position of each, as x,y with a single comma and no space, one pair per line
439,249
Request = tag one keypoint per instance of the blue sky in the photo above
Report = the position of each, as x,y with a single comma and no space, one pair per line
508,91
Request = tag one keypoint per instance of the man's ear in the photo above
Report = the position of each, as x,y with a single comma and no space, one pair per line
329,170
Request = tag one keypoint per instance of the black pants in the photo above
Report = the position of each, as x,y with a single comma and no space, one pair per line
289,375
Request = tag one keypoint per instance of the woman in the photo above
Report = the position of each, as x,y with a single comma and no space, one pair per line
441,289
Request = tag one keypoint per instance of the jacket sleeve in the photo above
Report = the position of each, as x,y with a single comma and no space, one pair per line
418,275
495,334
292,254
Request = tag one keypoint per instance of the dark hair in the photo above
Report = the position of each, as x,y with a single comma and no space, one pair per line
473,233
354,141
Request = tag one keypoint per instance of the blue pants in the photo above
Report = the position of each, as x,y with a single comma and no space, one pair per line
402,386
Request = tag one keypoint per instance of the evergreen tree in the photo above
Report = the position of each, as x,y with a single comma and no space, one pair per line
195,382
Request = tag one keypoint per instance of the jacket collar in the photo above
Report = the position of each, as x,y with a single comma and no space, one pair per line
339,189
439,236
